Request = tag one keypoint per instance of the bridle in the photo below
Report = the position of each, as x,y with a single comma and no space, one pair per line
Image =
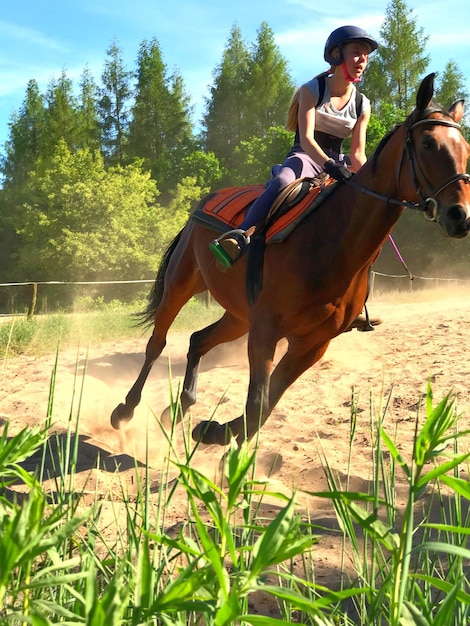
428,201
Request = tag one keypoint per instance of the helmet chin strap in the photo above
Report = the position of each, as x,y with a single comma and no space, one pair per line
350,79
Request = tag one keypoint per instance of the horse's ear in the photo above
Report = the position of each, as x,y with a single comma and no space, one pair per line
456,110
425,93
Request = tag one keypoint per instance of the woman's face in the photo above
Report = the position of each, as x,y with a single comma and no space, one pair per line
356,57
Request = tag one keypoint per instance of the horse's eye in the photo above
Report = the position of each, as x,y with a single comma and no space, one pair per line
428,143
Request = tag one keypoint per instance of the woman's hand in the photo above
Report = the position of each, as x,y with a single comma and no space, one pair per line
338,171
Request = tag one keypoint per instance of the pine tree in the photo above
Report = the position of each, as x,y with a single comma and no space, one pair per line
160,129
61,115
180,137
26,137
113,105
88,134
270,85
224,120
251,94
451,85
397,67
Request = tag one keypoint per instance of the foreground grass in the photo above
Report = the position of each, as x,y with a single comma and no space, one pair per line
39,334
57,566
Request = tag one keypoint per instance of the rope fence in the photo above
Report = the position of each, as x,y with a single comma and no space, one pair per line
411,278
35,284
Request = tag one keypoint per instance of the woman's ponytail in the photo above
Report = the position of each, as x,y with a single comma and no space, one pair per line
293,110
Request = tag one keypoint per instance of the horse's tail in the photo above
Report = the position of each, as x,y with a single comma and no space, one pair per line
146,317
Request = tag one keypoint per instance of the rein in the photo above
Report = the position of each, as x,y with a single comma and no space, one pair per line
428,204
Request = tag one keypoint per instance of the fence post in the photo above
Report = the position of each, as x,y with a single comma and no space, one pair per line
34,296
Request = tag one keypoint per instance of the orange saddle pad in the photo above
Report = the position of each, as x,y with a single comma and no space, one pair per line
225,209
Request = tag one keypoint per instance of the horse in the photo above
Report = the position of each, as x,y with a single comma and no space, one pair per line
314,284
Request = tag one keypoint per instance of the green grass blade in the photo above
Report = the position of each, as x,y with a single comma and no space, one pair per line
394,452
446,548
440,470
282,540
412,616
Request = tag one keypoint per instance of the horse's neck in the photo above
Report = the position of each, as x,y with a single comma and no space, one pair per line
369,219
382,175
365,221
382,172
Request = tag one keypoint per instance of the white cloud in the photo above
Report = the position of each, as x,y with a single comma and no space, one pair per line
14,33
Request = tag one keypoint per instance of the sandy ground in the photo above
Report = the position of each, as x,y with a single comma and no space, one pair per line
425,336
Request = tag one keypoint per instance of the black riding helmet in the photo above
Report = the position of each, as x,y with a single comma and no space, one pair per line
344,35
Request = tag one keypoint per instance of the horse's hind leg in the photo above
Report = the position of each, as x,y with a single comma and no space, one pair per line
123,413
177,280
227,328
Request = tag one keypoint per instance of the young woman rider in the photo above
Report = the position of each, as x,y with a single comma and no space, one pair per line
322,113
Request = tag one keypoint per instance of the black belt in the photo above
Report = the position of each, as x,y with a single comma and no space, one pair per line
329,142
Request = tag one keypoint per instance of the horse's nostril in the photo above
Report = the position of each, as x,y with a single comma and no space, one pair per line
456,213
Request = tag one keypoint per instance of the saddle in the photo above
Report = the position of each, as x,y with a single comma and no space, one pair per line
225,209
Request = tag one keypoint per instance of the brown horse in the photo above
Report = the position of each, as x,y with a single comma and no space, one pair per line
315,283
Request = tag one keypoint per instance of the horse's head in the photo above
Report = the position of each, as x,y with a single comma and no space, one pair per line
438,153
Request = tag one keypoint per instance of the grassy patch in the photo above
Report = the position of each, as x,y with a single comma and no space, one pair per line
57,566
112,322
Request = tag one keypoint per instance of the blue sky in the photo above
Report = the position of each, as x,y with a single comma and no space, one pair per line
41,38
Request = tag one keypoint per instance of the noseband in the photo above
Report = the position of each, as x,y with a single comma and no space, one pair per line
428,202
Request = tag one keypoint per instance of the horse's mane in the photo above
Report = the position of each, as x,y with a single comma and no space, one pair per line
383,142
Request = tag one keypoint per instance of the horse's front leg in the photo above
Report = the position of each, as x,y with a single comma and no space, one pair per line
264,393
262,343
298,358
266,389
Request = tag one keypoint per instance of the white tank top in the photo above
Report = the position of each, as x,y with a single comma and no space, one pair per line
328,119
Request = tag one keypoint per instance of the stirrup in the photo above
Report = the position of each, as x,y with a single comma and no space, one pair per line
216,246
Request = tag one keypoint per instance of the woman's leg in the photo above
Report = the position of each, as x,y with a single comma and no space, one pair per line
294,167
232,245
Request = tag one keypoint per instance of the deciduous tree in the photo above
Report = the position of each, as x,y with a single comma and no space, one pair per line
78,220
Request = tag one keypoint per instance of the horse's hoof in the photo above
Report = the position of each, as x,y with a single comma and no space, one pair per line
209,432
174,413
166,418
121,415
204,431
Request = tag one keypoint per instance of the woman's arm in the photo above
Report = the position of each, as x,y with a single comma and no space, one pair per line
358,141
306,122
